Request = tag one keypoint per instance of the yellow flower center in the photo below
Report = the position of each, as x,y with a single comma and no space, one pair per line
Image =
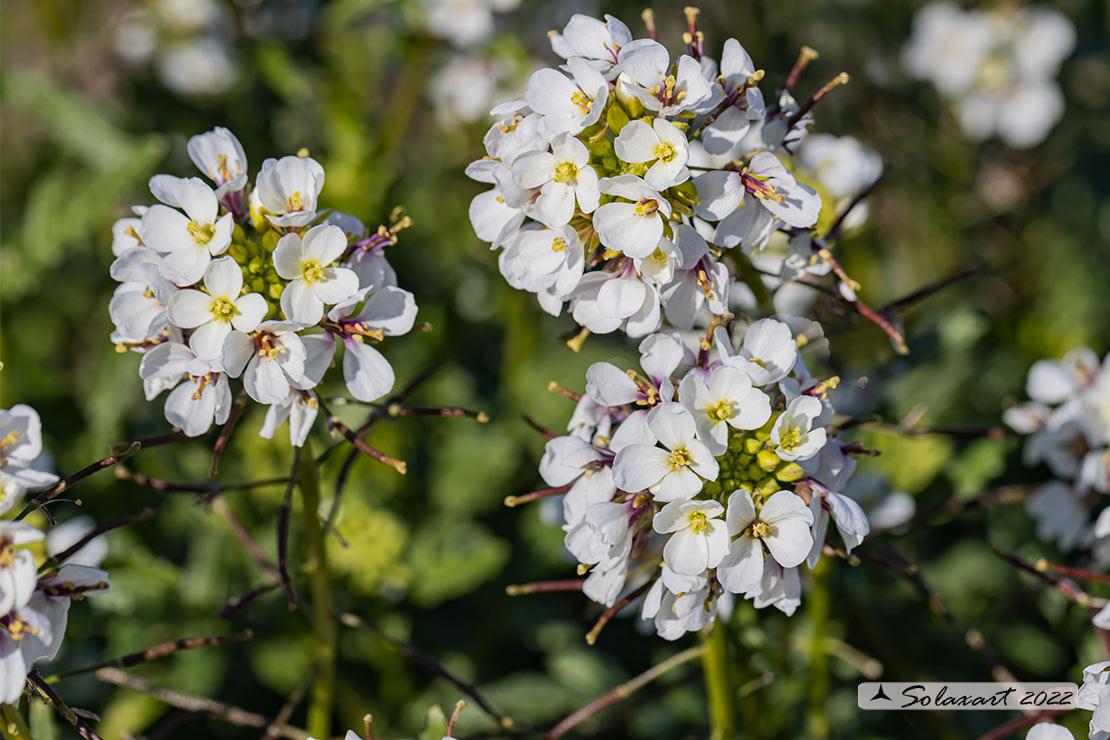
565,172
720,411
647,207
7,554
697,522
223,309
202,233
679,458
664,152
791,439
294,202
582,101
758,529
559,244
659,258
312,272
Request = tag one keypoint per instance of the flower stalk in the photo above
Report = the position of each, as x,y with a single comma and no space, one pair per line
718,682
320,704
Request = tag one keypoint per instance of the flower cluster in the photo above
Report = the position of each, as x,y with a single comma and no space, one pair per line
1067,428
623,179
710,473
1094,696
997,68
187,42
253,282
34,599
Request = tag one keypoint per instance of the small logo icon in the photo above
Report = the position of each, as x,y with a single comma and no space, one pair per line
880,694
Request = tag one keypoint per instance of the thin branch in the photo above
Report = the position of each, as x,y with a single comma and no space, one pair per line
927,290
1070,590
237,604
880,321
360,444
547,433
834,231
282,717
158,651
283,531
524,498
591,636
541,587
430,664
119,453
244,536
822,91
623,691
190,703
70,715
225,433
207,489
56,560
397,409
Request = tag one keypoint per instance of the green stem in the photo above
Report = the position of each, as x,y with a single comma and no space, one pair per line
13,726
718,681
817,606
319,709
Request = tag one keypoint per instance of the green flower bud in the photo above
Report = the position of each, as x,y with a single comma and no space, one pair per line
767,460
790,472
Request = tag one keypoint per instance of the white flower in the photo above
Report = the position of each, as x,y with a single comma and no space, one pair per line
69,533
767,354
271,360
646,74
606,301
661,143
300,408
564,175
138,305
793,435
1049,731
842,164
548,262
698,538
743,101
188,240
565,459
567,106
781,525
1060,514
200,394
595,41
850,520
673,473
727,400
20,455
287,190
212,314
307,263
633,228
219,155
18,573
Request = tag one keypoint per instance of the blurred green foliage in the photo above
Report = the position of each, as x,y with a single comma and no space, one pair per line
426,557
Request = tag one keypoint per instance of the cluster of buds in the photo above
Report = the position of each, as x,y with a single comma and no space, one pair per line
253,282
714,472
1066,424
36,584
996,67
624,179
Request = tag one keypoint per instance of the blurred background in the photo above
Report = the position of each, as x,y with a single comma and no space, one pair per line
391,97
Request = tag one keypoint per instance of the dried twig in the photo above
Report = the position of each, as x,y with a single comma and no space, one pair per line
70,715
158,651
225,432
119,452
190,703
56,560
429,663
623,691
283,531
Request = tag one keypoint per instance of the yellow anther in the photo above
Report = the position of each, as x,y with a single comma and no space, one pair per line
559,244
565,172
295,202
312,272
697,521
223,310
302,152
720,411
202,233
647,207
679,458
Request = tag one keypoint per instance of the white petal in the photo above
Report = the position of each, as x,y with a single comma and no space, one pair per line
190,308
368,374
638,467
299,303
252,309
288,257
